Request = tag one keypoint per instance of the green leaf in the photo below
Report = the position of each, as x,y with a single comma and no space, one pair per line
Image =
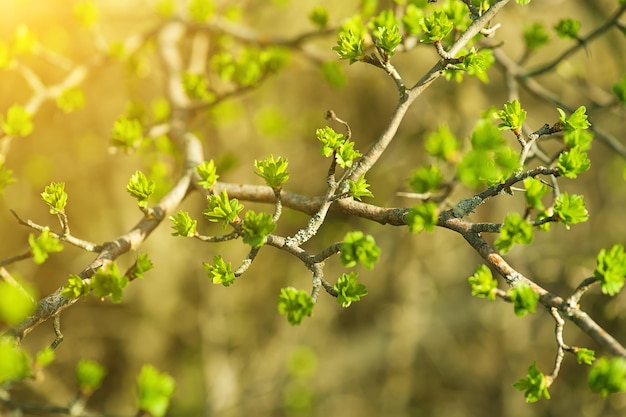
611,269
348,289
512,116
273,171
140,188
154,390
411,19
423,217
578,119
208,174
142,265
43,245
573,162
535,385
567,28
127,133
55,197
108,282
14,361
196,87
435,26
586,356
535,36
385,31
256,227
200,10
535,190
44,357
183,225
18,122
17,302
483,284
333,74
87,13
6,177
359,248
71,99
514,230
75,287
350,40
477,63
486,136
222,209
89,376
220,272
296,304
346,154
25,40
524,299
160,109
319,17
619,89
6,58
442,144
331,140
360,188
608,376
425,179
570,209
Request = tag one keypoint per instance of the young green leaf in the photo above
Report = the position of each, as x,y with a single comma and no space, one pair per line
360,188
425,179
567,28
411,19
608,376
14,361
436,26
331,140
296,304
535,385
71,99
208,174
586,356
423,217
44,357
535,190
154,390
524,299
89,376
256,227
611,269
346,154
183,225
573,162
359,248
43,245
348,289
87,13
222,209
273,171
619,89
6,177
350,40
483,284
18,122
333,74
142,265
577,120
319,17
514,230
127,133
512,116
578,138
570,209
54,195
442,144
16,302
75,287
535,36
196,87
220,272
108,282
477,63
140,188
385,31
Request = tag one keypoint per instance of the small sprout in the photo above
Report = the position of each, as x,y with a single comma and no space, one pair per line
89,376
222,209
75,287
524,299
573,162
183,225
611,269
360,188
570,209
425,179
127,133
483,284
535,385
514,230
296,304
436,26
54,195
349,290
273,171
423,217
108,282
140,188
220,272
154,390
608,376
18,122
256,227
43,245
512,116
208,174
359,248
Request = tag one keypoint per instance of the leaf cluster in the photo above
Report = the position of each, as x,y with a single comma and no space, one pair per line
359,248
349,289
296,304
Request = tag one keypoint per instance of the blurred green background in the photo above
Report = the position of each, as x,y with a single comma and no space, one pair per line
418,344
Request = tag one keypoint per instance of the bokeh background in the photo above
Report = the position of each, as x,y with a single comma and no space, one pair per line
418,344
